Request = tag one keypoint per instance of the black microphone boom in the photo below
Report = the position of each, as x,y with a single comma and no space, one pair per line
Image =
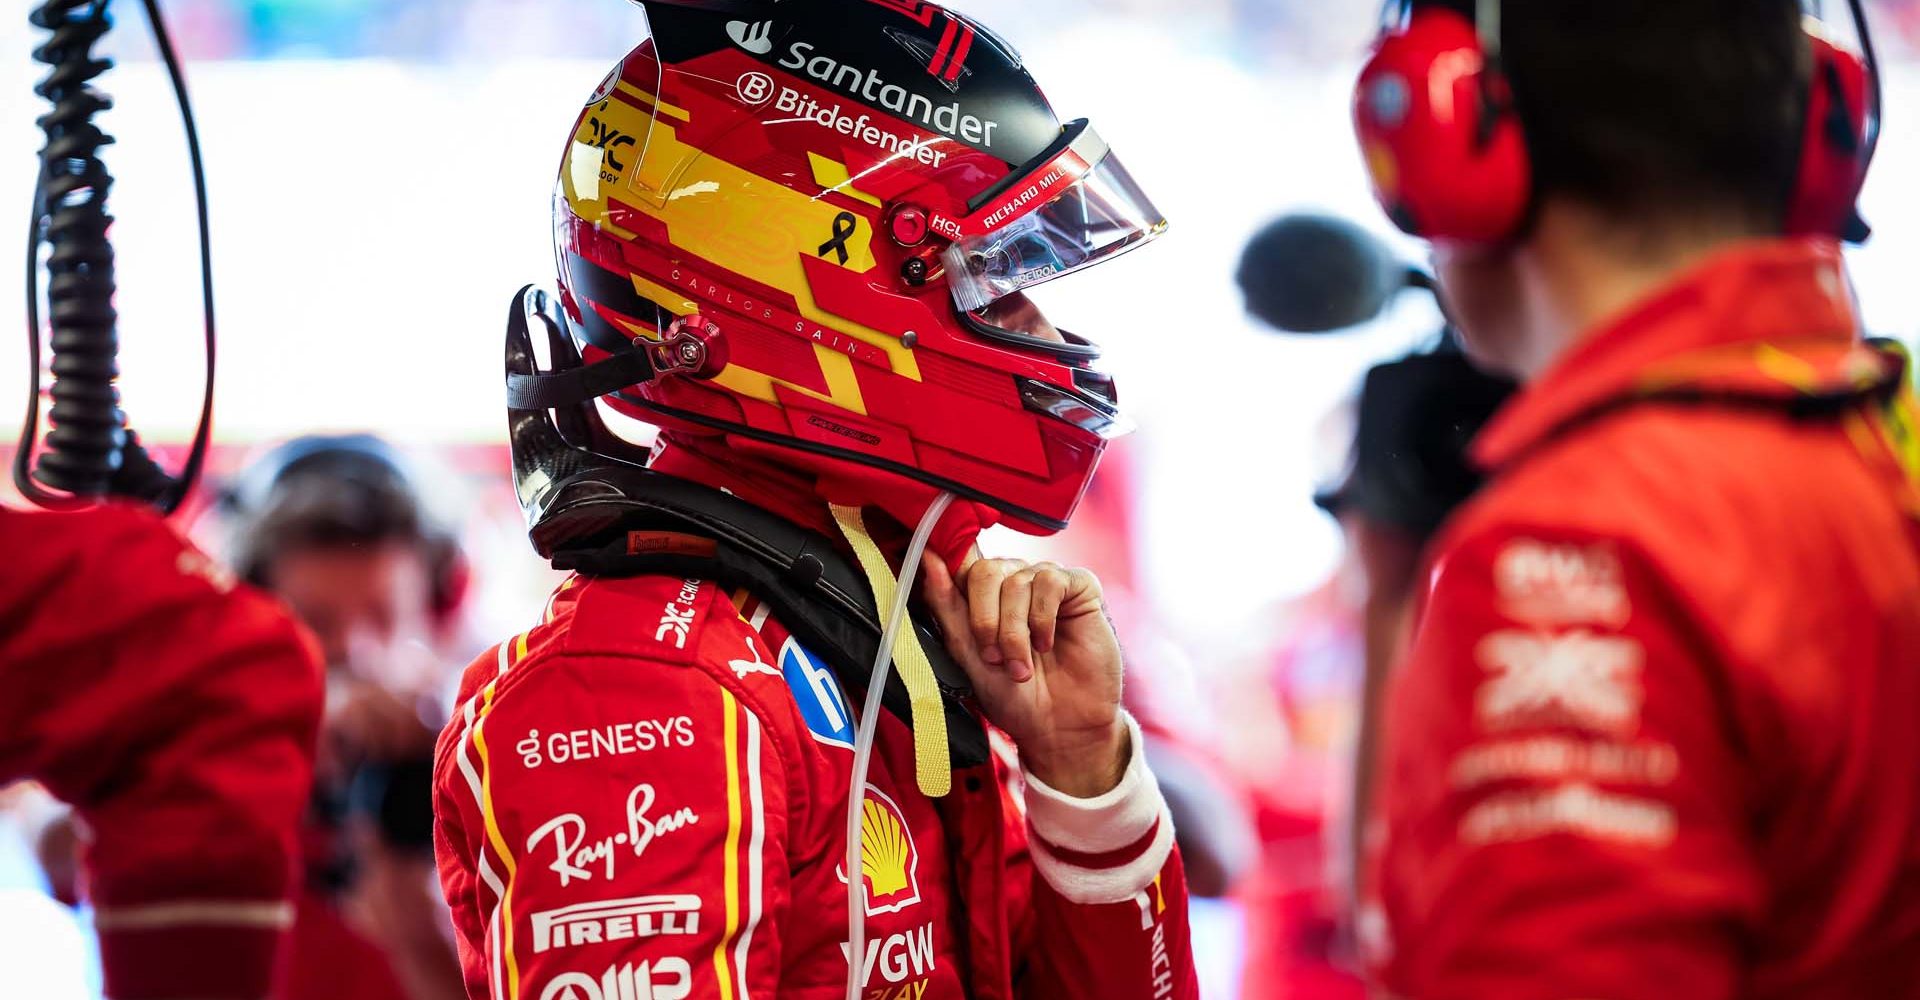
1318,273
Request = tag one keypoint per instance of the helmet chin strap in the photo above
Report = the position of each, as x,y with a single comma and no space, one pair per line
932,767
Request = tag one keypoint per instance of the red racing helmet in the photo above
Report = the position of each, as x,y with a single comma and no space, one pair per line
818,219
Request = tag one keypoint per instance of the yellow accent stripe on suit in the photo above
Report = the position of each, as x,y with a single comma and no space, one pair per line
494,837
731,743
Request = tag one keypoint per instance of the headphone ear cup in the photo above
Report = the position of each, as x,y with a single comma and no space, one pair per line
1835,144
1441,141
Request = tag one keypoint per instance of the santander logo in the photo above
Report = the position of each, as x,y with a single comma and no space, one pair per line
756,38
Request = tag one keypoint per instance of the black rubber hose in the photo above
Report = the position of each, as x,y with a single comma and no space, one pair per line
88,433
90,451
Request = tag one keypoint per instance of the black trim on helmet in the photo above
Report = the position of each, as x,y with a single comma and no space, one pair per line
1070,406
885,465
1075,350
592,283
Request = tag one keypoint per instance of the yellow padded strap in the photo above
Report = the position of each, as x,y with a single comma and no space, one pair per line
932,766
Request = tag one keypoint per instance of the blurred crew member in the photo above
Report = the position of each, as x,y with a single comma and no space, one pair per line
340,530
1405,471
1654,736
176,713
797,241
1408,473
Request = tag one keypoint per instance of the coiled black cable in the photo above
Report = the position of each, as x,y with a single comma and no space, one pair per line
90,452
70,214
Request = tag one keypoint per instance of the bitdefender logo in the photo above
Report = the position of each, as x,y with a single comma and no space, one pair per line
755,38
832,118
754,88
868,86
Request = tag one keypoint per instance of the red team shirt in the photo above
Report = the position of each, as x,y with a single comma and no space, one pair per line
177,713
1659,731
645,797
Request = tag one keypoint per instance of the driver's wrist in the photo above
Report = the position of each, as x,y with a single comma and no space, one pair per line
1105,847
1084,765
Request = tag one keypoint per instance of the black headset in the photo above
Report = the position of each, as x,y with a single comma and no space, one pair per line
354,461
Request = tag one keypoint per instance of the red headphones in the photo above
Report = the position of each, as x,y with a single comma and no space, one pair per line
1444,145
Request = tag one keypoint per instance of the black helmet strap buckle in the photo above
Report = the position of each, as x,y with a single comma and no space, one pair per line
693,346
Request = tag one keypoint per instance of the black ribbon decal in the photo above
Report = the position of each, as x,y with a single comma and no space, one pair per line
844,226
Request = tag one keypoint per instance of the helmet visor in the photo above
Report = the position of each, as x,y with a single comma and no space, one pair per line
1079,207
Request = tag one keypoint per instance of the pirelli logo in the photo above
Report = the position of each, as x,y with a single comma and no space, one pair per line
615,920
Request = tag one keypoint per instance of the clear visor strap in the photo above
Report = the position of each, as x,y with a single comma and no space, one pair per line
932,765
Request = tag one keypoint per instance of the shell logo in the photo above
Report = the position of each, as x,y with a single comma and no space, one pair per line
889,861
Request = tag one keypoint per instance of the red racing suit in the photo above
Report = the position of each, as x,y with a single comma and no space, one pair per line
1657,732
177,713
644,798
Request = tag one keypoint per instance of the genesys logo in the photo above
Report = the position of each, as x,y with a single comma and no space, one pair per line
608,920
756,37
661,979
611,740
889,860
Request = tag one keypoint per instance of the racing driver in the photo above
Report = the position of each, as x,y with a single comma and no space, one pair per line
733,758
